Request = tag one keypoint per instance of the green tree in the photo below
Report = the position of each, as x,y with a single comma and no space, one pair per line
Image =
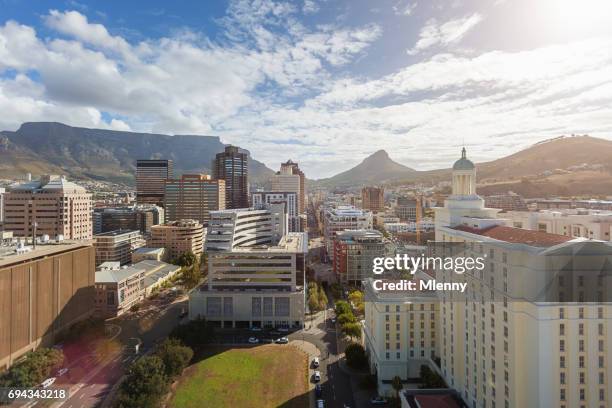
175,356
186,259
346,318
356,297
191,275
355,356
396,383
33,369
313,303
322,299
194,334
430,379
342,307
352,330
145,384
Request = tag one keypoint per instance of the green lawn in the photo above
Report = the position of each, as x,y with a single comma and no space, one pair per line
265,376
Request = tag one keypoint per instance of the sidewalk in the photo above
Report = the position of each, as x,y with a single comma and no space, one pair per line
311,351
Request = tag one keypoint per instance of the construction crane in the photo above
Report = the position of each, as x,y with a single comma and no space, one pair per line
417,227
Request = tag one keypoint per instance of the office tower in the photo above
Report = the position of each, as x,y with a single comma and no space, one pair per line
285,180
232,166
51,206
290,167
506,202
139,217
288,199
373,199
245,227
178,237
523,334
340,218
405,209
151,176
43,292
400,333
354,253
193,197
117,246
250,284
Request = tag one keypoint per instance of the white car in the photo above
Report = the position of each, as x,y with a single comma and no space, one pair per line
316,377
48,382
62,371
253,340
315,362
282,340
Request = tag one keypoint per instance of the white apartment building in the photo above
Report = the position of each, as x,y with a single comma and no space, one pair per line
117,246
340,218
258,285
577,223
400,333
513,339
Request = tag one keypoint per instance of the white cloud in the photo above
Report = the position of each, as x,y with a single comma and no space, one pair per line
402,8
444,34
310,7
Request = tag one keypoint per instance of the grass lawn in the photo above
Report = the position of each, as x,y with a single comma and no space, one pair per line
271,375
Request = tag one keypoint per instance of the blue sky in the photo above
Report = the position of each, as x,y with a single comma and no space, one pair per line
323,82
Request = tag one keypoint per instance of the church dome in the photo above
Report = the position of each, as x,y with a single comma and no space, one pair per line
463,163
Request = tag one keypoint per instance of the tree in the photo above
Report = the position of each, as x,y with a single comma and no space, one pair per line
342,307
322,299
313,303
356,297
175,356
430,379
35,368
195,333
396,383
352,330
191,275
346,318
186,259
145,385
355,356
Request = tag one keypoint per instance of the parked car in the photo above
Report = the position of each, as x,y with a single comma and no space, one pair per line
315,362
320,403
282,340
378,400
48,382
316,377
318,390
61,372
256,328
253,340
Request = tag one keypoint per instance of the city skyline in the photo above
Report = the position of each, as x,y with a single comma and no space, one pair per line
323,79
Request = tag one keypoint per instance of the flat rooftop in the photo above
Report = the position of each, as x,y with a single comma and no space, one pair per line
115,233
9,256
517,235
292,242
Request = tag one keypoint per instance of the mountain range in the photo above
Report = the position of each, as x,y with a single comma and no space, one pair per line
55,148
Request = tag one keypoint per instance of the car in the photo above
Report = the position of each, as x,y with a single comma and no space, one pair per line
48,382
253,340
320,403
256,328
316,377
283,329
61,371
315,362
282,340
318,390
333,320
378,400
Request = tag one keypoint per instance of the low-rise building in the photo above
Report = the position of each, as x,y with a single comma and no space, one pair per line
178,237
343,217
117,246
354,253
146,253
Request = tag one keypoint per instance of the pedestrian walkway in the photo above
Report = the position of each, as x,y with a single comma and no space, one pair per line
311,351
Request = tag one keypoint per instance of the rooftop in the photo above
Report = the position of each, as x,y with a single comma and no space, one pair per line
48,183
116,233
292,242
516,235
148,267
9,256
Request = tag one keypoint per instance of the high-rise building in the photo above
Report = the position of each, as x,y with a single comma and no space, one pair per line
139,217
406,209
43,292
151,176
50,206
354,253
117,246
292,167
373,199
232,166
340,218
263,199
193,196
178,237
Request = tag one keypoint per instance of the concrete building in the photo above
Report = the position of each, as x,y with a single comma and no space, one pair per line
151,176
405,209
523,334
146,253
50,206
426,224
340,218
255,285
354,253
117,246
373,199
43,292
560,204
178,237
506,202
286,180
2,192
294,168
193,197
139,217
232,166
288,199
381,219
241,227
400,333
576,223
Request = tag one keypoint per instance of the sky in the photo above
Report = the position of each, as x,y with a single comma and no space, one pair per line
322,82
